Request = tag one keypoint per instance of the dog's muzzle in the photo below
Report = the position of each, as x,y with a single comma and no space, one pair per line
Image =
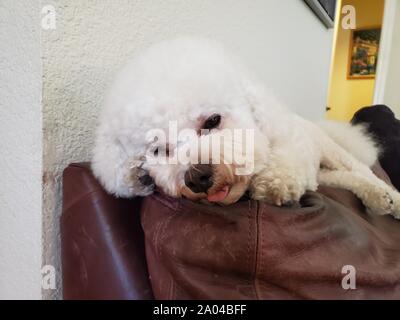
199,178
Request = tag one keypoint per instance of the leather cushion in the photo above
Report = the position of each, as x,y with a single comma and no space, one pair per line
251,250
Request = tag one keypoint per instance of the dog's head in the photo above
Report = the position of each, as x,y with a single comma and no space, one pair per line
213,160
181,117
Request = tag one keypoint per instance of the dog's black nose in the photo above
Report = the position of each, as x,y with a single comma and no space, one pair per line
198,178
146,180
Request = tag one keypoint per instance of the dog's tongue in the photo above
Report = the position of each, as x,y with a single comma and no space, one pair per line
219,195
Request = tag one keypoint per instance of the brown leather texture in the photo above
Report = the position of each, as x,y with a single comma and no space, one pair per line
251,250
102,247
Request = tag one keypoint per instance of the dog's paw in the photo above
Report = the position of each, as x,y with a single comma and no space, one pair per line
139,181
396,204
379,202
277,191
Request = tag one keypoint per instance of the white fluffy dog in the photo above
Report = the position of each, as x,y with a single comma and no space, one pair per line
195,83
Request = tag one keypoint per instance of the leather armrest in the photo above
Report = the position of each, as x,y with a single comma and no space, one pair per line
102,244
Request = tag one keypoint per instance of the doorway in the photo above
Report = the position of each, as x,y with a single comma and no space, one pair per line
355,59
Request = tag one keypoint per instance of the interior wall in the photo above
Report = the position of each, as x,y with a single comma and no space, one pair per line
21,150
391,95
283,42
346,96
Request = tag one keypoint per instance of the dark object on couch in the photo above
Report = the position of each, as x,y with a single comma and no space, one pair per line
250,250
385,128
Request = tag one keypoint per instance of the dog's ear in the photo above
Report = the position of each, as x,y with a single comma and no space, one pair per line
252,98
257,101
267,111
119,173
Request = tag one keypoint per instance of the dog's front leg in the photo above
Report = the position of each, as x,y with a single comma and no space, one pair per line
341,169
375,194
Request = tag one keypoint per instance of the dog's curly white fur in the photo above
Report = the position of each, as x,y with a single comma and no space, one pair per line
188,80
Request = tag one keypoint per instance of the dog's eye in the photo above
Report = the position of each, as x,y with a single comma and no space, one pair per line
212,122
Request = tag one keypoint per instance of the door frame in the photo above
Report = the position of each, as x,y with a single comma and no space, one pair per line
388,23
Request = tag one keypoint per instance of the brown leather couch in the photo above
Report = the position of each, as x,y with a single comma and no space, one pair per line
249,250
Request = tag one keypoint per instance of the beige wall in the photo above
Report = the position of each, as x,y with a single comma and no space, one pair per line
346,96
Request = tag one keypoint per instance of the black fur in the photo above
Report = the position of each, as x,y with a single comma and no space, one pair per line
385,128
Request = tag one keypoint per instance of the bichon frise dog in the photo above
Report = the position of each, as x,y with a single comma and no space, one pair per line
201,92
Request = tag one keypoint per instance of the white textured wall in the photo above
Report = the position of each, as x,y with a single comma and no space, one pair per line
20,150
282,41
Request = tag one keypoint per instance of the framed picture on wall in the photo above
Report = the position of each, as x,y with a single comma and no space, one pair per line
363,53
